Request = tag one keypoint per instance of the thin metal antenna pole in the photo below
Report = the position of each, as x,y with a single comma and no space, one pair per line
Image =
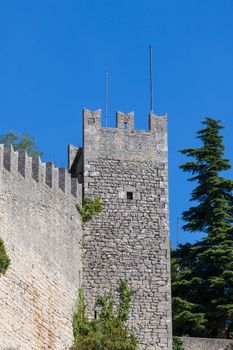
106,97
177,232
151,82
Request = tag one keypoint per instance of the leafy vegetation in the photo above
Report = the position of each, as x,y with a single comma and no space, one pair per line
4,259
203,272
108,331
90,208
21,142
177,344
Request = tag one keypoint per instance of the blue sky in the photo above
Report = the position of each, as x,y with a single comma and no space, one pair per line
53,55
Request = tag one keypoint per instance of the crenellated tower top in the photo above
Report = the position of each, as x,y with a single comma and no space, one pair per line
123,120
124,141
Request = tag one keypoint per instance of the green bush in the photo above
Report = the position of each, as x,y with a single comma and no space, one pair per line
177,344
4,259
108,331
89,208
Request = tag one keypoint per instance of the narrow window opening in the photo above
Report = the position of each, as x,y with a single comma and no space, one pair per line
125,125
95,315
130,195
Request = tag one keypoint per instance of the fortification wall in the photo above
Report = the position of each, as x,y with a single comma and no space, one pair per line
41,230
207,344
129,240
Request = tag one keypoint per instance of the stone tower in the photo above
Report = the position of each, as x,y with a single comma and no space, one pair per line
129,240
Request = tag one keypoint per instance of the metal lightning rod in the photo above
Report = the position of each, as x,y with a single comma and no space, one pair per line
151,82
106,97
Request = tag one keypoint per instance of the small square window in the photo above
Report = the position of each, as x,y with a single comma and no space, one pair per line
130,195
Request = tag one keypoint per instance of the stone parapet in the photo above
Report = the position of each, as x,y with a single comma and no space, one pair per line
191,343
42,233
33,167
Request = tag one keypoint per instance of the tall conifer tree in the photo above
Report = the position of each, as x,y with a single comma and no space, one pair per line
203,284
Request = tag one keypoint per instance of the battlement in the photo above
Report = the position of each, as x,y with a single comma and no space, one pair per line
32,167
52,253
124,142
157,124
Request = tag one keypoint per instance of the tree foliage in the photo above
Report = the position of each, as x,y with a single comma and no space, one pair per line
22,141
4,259
203,272
108,331
90,208
177,344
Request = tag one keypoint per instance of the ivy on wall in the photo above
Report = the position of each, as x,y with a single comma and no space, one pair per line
4,259
89,208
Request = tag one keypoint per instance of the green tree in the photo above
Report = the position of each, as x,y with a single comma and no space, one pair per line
188,318
21,142
203,285
108,331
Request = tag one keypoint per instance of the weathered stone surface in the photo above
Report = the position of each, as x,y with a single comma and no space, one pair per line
207,344
42,232
129,240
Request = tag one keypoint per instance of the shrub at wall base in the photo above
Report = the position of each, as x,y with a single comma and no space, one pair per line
108,330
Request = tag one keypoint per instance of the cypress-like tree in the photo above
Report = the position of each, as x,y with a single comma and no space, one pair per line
203,283
188,316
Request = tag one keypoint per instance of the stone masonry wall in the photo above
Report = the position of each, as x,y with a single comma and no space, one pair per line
129,240
207,344
41,230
